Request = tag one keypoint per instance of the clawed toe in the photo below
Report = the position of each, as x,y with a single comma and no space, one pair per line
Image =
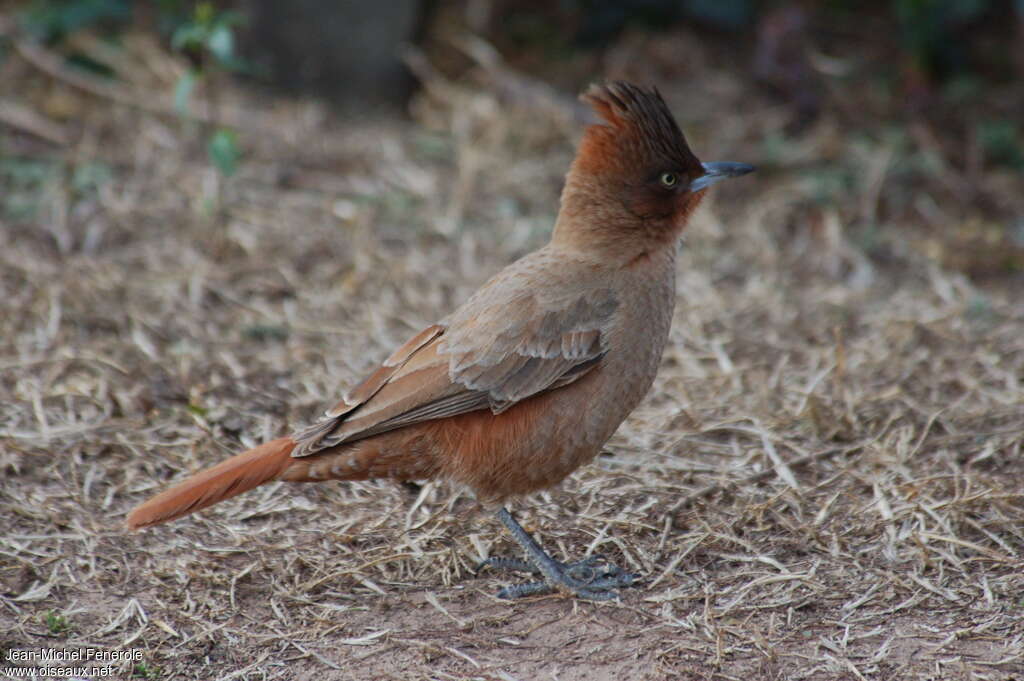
602,586
502,563
587,578
587,570
523,590
591,578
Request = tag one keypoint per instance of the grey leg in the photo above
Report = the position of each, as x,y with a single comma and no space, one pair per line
582,579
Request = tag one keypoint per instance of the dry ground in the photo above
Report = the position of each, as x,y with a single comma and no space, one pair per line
826,481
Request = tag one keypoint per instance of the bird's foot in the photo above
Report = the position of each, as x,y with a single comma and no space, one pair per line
584,578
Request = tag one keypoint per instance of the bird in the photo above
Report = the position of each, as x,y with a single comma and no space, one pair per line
528,379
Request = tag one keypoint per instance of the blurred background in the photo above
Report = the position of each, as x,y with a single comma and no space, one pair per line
215,216
901,118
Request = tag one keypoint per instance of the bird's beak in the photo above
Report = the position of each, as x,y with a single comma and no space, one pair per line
721,170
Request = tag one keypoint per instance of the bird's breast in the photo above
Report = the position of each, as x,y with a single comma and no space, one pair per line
541,440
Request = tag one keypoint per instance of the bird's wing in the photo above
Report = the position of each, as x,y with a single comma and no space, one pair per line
490,354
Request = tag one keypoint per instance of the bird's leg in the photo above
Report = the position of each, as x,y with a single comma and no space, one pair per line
582,578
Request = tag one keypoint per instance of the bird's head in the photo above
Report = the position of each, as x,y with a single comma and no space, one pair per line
634,174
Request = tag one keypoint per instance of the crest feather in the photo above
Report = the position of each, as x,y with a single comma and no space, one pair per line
638,129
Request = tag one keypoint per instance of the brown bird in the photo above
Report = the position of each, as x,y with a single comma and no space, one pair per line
528,379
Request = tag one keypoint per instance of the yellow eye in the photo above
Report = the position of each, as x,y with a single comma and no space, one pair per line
668,180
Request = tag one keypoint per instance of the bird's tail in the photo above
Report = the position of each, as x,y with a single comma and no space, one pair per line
229,478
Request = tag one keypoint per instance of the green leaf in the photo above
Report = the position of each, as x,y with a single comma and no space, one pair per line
205,13
196,410
186,36
221,42
224,151
55,20
231,18
266,332
56,623
144,671
1002,142
88,177
183,91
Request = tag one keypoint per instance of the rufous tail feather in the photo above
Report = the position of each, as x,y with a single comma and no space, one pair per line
229,478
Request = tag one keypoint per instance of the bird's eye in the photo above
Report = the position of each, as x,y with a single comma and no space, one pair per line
668,180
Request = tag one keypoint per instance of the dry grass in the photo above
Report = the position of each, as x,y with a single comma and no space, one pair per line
825,482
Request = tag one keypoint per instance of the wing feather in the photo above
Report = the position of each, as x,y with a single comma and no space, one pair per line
492,353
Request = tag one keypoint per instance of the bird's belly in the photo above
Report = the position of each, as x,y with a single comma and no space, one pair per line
536,443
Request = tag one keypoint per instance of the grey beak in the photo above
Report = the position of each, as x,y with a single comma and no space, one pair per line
721,170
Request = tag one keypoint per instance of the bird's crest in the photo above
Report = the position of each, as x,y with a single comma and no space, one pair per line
638,128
